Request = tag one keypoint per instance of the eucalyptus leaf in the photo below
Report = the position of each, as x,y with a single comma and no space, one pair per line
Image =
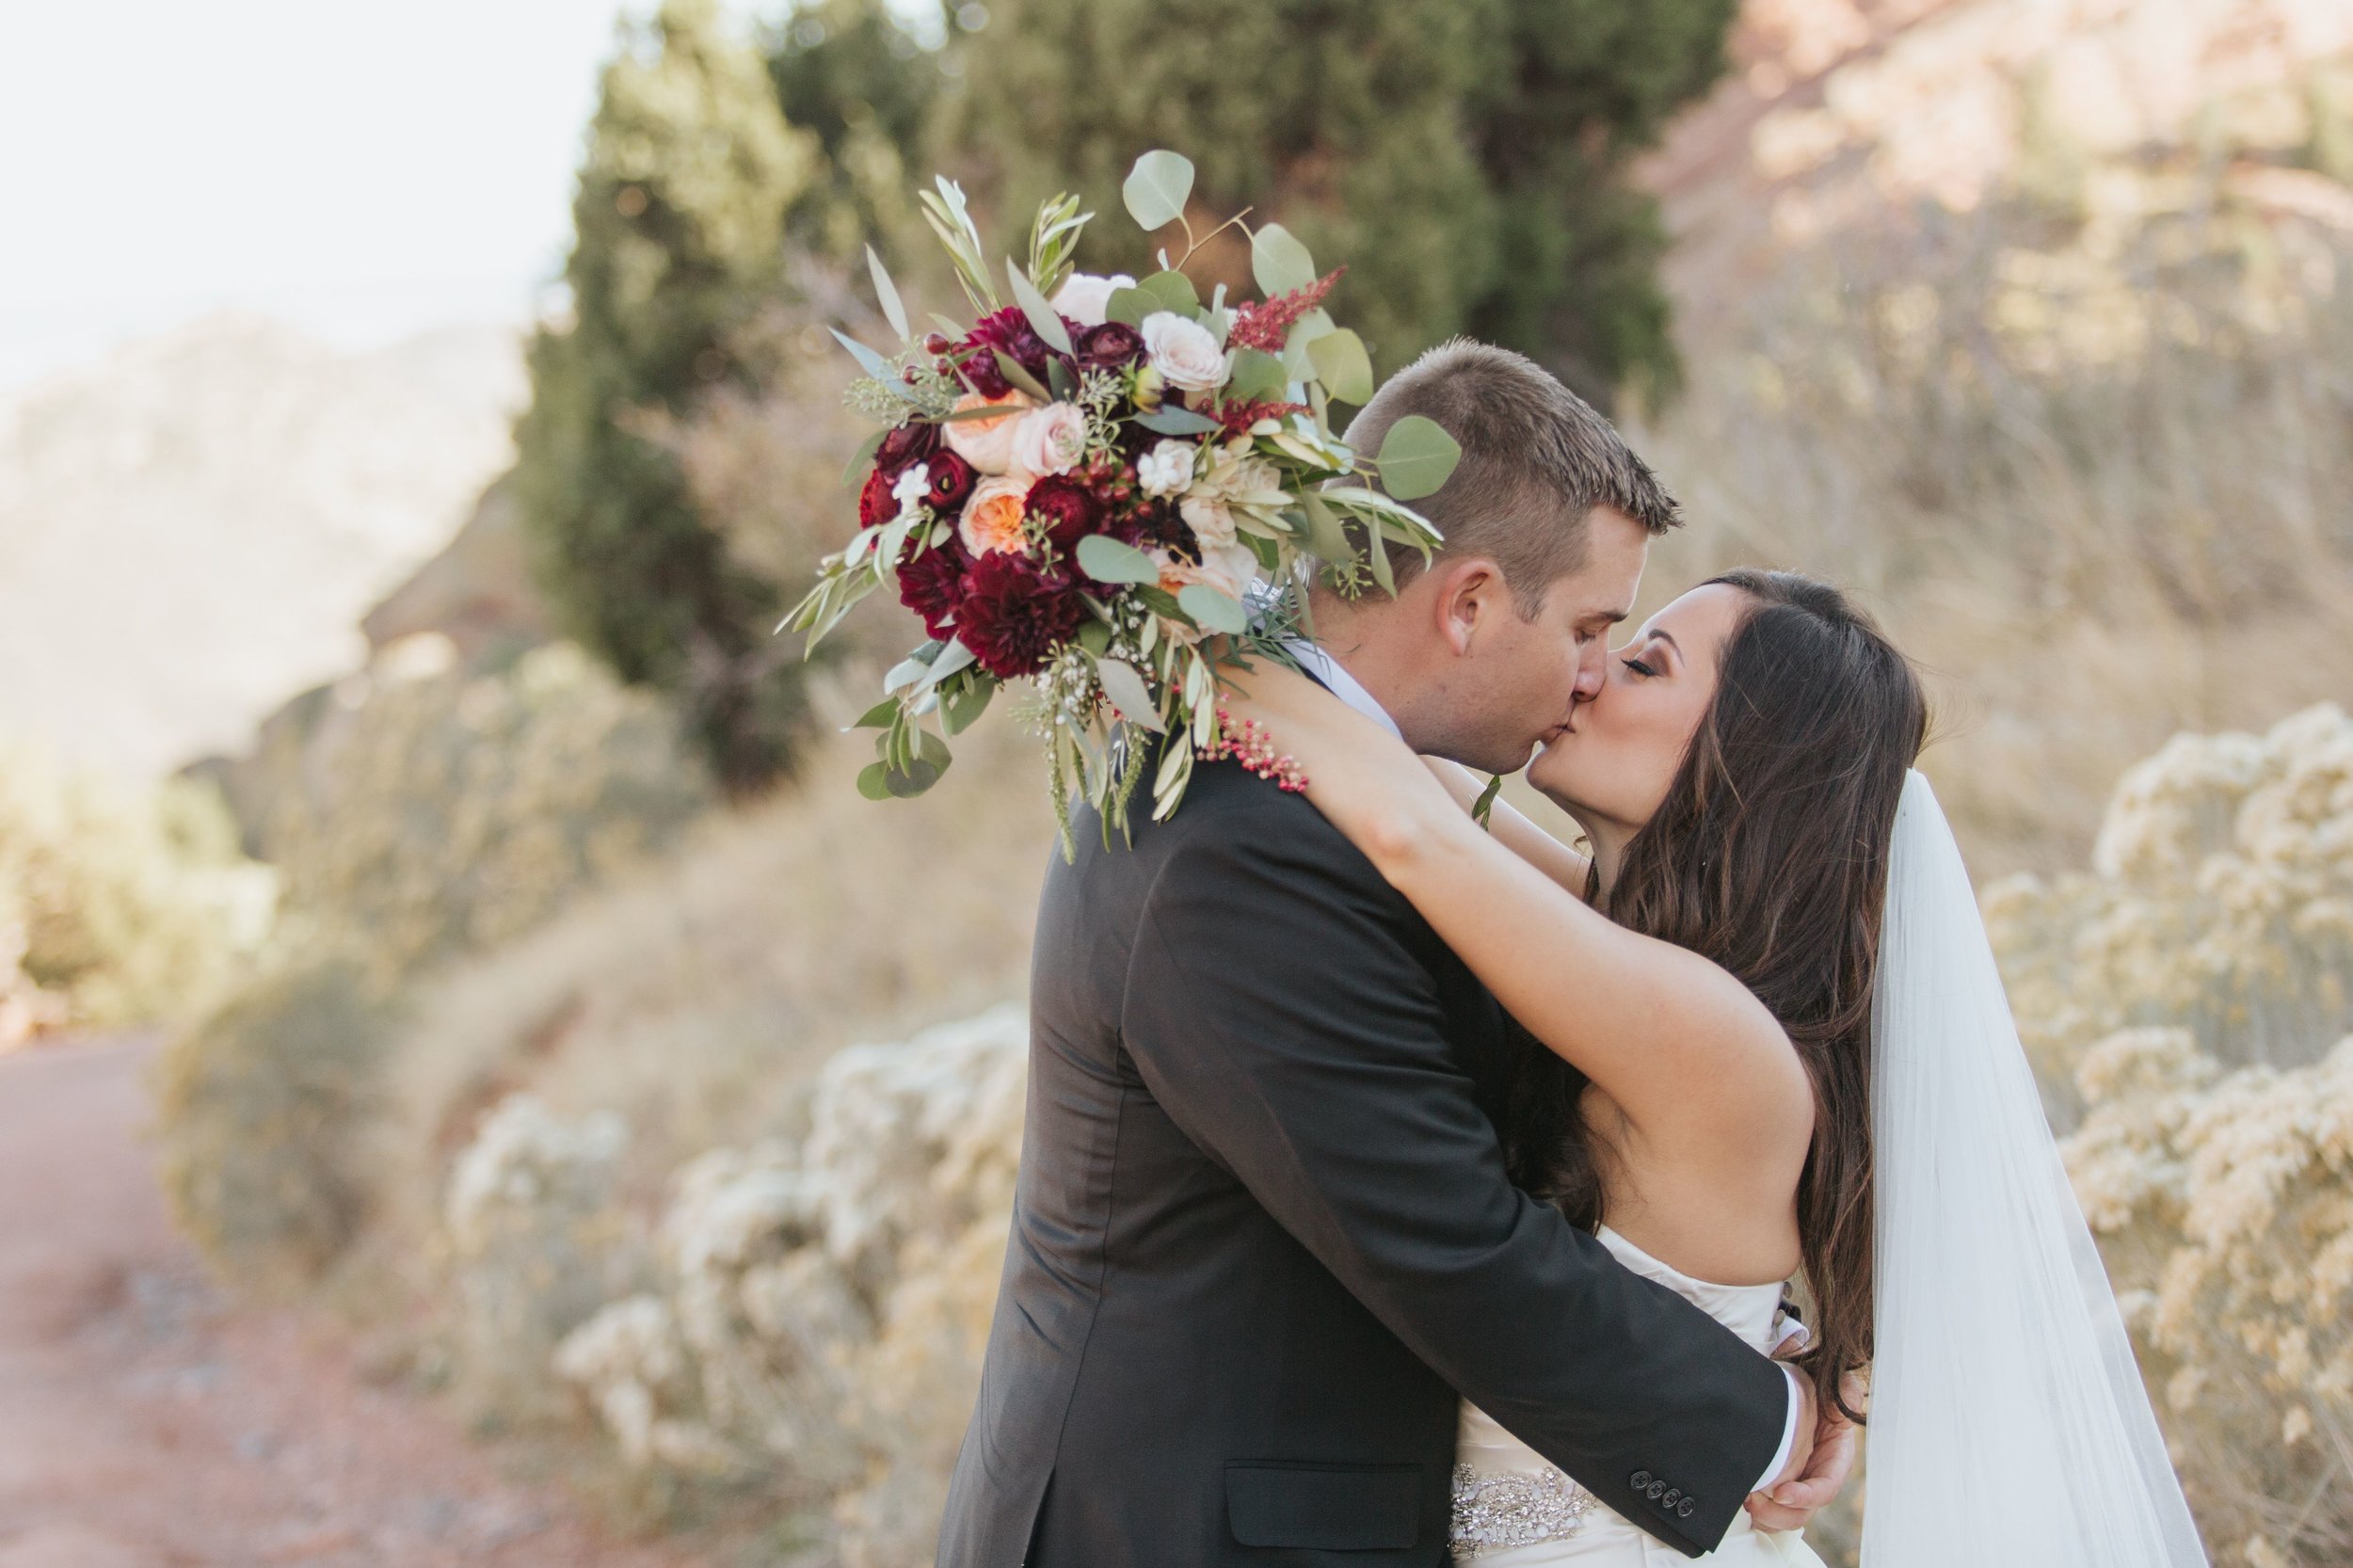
1377,549
1417,457
1213,611
888,293
1162,603
870,781
1343,366
1157,188
1043,317
863,458
872,363
1175,291
1278,262
1065,385
1256,374
947,326
1015,372
1129,694
1169,420
961,706
1326,539
1109,560
1131,306
879,715
921,770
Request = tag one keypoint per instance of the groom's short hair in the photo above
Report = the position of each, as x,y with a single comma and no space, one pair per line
1536,461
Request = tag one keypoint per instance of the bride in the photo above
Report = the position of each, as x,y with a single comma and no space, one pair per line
1778,1050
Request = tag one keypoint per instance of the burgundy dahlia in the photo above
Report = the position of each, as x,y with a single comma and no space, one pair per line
1113,345
952,480
1014,615
1070,507
875,504
904,446
932,585
1008,330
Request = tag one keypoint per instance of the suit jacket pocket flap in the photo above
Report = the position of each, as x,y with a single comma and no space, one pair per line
1335,1507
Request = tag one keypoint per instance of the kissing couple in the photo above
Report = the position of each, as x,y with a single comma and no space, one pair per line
1400,1182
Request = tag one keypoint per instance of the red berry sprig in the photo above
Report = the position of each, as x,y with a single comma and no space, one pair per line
1253,747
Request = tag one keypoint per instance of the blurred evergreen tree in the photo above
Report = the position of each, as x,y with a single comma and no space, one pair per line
1465,158
689,172
850,73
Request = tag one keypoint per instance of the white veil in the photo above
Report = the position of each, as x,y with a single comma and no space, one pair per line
2009,1428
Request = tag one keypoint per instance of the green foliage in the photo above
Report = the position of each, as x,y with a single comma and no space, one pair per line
451,813
847,71
689,173
1464,158
118,905
262,1113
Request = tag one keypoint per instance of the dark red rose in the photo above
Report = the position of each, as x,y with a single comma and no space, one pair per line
1113,345
875,504
904,446
1012,614
932,585
1071,509
952,480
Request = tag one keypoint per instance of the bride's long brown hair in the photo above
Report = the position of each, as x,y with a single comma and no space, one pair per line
1769,855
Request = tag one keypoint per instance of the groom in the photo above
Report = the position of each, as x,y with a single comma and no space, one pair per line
1264,1233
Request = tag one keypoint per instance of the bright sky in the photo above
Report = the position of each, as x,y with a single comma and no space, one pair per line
361,170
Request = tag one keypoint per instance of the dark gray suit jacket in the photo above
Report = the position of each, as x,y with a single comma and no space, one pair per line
1263,1234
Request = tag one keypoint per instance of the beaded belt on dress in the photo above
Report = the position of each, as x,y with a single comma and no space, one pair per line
1500,1508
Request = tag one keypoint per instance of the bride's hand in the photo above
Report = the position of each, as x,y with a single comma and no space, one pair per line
1818,1469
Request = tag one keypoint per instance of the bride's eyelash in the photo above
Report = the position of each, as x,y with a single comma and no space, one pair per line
1638,666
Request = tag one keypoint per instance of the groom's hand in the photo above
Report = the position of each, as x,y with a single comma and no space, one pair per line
1820,1461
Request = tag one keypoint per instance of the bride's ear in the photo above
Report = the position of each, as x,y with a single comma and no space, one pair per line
1469,594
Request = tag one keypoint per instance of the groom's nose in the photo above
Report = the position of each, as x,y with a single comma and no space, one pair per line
1592,664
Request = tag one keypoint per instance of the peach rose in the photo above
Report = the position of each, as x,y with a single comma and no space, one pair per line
993,513
985,443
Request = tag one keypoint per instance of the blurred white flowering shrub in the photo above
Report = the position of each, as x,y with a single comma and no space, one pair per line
2221,902
535,1242
2186,1002
822,1306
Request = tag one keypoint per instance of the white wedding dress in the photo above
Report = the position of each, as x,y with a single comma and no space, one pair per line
1512,1509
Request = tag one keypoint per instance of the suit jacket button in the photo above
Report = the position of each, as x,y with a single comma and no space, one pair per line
1674,1496
1638,1479
1655,1488
1683,1509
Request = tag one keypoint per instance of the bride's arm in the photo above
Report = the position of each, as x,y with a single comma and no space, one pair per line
1509,827
1670,1037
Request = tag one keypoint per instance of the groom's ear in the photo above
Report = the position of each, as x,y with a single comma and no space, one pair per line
1467,596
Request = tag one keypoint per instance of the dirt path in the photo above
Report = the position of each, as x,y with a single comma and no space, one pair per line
143,1424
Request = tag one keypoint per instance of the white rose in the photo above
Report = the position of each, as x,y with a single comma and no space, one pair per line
1083,297
1050,439
1212,525
985,443
1184,352
1165,470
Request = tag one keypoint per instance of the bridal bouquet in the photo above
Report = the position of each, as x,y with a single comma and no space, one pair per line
1109,487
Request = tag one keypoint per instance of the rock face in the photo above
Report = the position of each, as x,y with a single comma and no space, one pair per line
1847,113
191,529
